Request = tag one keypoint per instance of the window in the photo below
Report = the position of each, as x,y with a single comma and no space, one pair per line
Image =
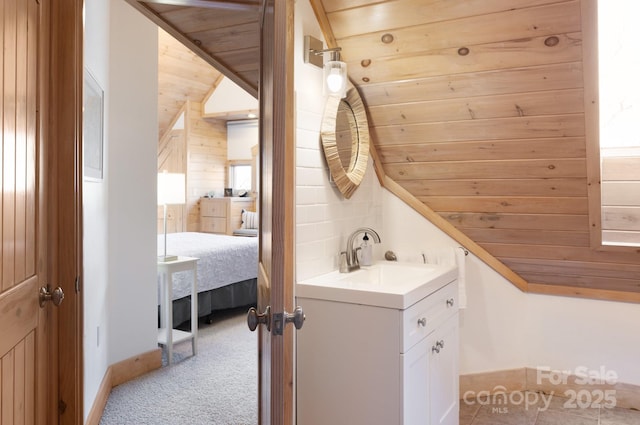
240,177
613,121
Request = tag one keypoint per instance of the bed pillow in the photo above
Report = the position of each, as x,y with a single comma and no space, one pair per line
249,220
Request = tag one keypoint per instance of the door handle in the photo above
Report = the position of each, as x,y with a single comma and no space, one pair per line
281,319
56,296
297,317
254,318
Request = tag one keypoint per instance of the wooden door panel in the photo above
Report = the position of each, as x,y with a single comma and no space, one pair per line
276,210
18,371
23,341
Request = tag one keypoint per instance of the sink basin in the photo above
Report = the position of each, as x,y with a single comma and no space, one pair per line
384,284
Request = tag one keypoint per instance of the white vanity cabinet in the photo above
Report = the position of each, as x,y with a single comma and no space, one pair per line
363,364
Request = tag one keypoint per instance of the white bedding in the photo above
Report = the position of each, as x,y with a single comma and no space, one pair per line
223,259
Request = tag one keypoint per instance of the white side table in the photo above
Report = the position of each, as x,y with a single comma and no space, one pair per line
168,336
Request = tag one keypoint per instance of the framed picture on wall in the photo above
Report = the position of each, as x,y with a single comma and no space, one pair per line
92,128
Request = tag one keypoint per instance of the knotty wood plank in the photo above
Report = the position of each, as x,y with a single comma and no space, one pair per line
405,13
564,267
238,37
493,82
201,19
554,147
481,57
519,250
598,294
514,24
485,107
495,187
612,284
564,222
531,237
502,204
492,129
496,169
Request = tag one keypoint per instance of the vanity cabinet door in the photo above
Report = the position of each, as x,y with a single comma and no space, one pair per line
443,373
415,397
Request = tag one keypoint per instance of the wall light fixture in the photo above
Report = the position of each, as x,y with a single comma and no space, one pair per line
334,70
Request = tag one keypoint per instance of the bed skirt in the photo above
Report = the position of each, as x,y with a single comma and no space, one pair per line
231,296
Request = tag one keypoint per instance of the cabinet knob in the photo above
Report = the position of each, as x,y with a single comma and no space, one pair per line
422,322
450,302
439,346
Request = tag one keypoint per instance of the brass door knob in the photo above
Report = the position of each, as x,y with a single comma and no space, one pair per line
56,296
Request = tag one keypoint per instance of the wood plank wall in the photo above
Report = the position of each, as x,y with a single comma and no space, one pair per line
206,160
477,109
200,149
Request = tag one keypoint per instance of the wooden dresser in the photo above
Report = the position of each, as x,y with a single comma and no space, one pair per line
223,215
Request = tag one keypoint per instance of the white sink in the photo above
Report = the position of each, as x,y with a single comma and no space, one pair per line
384,284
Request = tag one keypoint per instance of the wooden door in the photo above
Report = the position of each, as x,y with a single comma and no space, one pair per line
25,359
276,261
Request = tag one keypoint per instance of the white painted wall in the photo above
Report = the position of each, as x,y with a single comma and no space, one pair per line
229,96
95,208
133,129
241,137
119,238
324,219
504,328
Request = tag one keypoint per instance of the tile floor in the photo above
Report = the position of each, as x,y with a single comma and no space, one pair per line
531,408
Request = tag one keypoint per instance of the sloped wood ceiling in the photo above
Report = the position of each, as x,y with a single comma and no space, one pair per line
224,33
477,120
182,76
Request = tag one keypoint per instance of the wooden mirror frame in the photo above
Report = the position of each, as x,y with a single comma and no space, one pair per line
347,181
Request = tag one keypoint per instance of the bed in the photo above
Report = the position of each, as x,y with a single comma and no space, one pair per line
227,272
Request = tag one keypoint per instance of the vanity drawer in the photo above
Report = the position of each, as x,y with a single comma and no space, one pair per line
213,225
422,318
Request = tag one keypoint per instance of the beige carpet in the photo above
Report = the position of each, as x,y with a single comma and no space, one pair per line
217,386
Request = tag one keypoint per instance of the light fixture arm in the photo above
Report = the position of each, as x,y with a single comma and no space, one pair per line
322,51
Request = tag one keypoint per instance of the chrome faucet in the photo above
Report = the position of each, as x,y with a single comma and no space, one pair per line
350,261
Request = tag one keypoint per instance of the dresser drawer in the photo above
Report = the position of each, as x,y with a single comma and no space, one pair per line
213,224
422,318
213,208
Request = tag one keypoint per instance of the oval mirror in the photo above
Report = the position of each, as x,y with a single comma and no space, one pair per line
345,140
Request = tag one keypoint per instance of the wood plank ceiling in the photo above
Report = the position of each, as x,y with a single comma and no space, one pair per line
182,76
477,110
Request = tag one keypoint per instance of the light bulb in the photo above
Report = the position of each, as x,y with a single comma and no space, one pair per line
334,80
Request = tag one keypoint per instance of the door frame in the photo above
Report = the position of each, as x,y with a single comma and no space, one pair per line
277,219
63,117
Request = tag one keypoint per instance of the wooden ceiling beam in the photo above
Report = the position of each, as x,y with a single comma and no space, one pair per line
248,6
